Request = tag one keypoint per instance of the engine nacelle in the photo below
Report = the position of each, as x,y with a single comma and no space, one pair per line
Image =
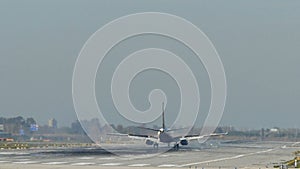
184,142
149,142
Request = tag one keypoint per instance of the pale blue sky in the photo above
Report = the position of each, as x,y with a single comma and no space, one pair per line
258,42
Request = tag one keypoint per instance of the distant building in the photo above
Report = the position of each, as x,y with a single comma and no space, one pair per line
274,130
52,123
34,127
4,136
1,127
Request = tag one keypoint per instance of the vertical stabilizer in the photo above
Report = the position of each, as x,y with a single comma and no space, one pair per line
163,116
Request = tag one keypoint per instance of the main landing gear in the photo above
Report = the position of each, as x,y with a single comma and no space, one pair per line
176,147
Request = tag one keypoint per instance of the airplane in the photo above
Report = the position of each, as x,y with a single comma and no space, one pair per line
164,137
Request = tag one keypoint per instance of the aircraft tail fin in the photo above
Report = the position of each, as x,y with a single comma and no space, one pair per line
163,116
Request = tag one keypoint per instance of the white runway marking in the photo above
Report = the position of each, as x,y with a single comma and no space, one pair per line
55,163
4,161
25,162
138,165
107,158
167,165
23,159
295,143
112,164
13,153
164,155
227,158
82,164
86,158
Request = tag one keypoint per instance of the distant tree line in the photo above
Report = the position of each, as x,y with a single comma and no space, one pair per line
15,124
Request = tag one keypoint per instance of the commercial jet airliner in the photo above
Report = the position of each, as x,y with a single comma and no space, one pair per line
163,135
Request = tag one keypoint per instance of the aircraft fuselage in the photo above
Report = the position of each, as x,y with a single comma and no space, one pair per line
164,137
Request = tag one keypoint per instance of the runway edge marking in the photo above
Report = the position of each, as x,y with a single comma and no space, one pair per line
111,164
55,163
138,165
227,158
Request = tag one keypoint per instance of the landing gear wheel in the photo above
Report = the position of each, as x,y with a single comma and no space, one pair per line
176,147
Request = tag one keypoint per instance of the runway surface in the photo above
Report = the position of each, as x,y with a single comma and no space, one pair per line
239,155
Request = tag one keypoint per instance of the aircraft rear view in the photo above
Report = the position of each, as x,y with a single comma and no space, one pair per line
164,137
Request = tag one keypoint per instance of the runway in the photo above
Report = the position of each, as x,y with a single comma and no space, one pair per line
234,155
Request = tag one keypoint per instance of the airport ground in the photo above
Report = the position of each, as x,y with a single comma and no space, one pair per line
243,154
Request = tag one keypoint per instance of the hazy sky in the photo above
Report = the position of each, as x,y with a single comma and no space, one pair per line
258,42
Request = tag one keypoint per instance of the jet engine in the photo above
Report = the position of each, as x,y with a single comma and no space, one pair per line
184,142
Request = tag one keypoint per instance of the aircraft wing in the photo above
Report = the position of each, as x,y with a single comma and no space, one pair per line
146,128
136,136
196,137
139,136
